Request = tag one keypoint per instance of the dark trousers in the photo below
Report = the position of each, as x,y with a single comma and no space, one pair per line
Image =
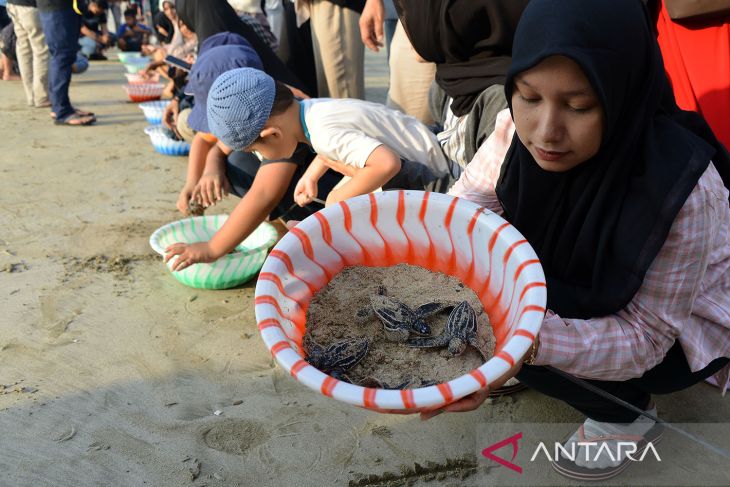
671,375
417,176
61,28
241,169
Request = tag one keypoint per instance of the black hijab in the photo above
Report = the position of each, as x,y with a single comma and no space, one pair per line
208,17
469,40
163,21
598,227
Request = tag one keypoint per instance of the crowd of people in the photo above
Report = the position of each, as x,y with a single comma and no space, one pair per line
588,125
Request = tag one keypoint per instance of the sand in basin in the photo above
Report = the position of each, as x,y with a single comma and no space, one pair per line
330,318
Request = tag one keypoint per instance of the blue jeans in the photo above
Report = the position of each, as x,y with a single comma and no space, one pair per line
61,28
88,45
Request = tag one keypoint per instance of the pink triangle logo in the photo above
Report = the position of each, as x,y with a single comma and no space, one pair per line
512,440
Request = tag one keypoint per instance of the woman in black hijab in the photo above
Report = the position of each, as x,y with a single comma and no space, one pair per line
163,23
471,43
625,200
208,17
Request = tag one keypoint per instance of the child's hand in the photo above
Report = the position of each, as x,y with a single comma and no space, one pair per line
189,254
183,199
305,191
169,117
211,188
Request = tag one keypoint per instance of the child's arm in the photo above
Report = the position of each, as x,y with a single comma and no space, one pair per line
196,164
213,185
267,189
382,165
306,188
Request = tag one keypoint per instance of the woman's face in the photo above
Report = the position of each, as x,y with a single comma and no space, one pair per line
557,115
185,30
169,10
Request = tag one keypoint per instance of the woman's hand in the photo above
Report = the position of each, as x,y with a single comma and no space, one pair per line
475,399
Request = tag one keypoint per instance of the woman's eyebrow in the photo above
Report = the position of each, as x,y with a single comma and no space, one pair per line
576,92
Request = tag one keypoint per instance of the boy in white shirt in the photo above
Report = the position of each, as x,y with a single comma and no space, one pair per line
376,146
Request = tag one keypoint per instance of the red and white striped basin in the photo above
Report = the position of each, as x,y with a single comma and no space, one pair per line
435,231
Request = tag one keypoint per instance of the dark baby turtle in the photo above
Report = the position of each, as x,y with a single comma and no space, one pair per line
399,320
337,358
460,330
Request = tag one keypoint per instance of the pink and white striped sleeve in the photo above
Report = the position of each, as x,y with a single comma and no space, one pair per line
627,344
479,179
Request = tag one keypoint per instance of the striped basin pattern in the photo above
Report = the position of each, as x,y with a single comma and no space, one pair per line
153,110
435,231
230,270
127,56
164,144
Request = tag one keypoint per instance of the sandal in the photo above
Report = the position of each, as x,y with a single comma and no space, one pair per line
78,112
568,468
76,119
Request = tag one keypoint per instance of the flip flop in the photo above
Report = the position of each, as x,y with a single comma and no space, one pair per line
78,112
570,469
76,120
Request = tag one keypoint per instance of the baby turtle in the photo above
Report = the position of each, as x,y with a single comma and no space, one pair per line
339,357
195,208
399,320
460,330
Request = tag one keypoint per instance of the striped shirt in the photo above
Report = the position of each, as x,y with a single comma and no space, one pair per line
685,295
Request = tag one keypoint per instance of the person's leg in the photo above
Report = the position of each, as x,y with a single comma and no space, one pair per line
410,79
418,176
275,14
8,69
88,46
22,49
671,375
41,57
339,53
61,28
4,19
296,49
389,26
182,125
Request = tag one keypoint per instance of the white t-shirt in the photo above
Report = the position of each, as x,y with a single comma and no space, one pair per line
349,130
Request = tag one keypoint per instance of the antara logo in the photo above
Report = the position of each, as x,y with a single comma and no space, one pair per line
593,451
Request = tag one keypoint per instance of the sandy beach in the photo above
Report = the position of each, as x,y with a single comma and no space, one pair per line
113,373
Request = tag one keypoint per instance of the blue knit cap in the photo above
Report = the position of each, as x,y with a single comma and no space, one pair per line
239,104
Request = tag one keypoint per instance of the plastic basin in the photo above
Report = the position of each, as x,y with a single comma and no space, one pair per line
164,144
153,110
435,231
230,270
127,56
141,92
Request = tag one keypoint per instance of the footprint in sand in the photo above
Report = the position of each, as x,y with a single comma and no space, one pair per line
235,436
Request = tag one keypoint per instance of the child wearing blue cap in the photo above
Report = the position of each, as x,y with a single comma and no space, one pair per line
265,186
376,146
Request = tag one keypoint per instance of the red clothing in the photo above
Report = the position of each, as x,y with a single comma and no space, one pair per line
697,60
